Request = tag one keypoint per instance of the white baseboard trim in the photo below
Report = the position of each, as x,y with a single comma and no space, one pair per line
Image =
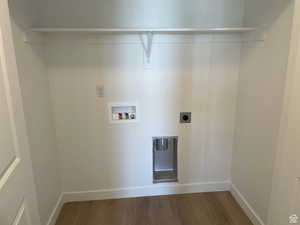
253,216
150,190
57,208
154,190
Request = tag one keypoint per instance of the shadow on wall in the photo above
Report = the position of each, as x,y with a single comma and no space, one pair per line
265,13
274,18
140,13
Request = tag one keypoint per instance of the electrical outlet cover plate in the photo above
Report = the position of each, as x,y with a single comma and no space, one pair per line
185,117
100,91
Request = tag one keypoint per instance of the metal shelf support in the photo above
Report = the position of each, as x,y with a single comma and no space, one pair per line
147,45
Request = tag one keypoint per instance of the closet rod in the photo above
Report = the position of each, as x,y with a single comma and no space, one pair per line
145,30
146,34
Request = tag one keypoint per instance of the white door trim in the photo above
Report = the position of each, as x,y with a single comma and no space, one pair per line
17,187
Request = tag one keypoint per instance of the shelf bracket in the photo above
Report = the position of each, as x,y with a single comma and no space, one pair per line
147,47
30,37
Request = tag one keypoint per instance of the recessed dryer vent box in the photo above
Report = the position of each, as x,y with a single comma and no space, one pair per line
165,159
123,112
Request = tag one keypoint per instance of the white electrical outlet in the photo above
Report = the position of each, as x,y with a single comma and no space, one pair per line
100,91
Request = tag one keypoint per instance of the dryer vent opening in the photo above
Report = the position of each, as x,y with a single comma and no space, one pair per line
165,159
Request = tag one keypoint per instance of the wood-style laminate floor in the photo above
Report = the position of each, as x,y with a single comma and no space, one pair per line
218,208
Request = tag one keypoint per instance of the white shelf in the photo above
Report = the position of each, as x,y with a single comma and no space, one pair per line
146,34
146,30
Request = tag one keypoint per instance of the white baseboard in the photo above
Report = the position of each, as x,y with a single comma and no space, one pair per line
154,190
253,216
151,190
57,208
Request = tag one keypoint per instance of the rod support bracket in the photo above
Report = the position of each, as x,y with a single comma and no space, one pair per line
30,37
147,46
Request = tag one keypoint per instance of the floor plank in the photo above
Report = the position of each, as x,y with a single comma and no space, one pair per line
218,208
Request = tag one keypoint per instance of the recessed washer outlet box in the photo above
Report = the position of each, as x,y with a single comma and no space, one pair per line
123,112
185,117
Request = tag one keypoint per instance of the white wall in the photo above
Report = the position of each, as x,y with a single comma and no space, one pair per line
200,77
140,13
261,84
37,107
286,185
187,75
